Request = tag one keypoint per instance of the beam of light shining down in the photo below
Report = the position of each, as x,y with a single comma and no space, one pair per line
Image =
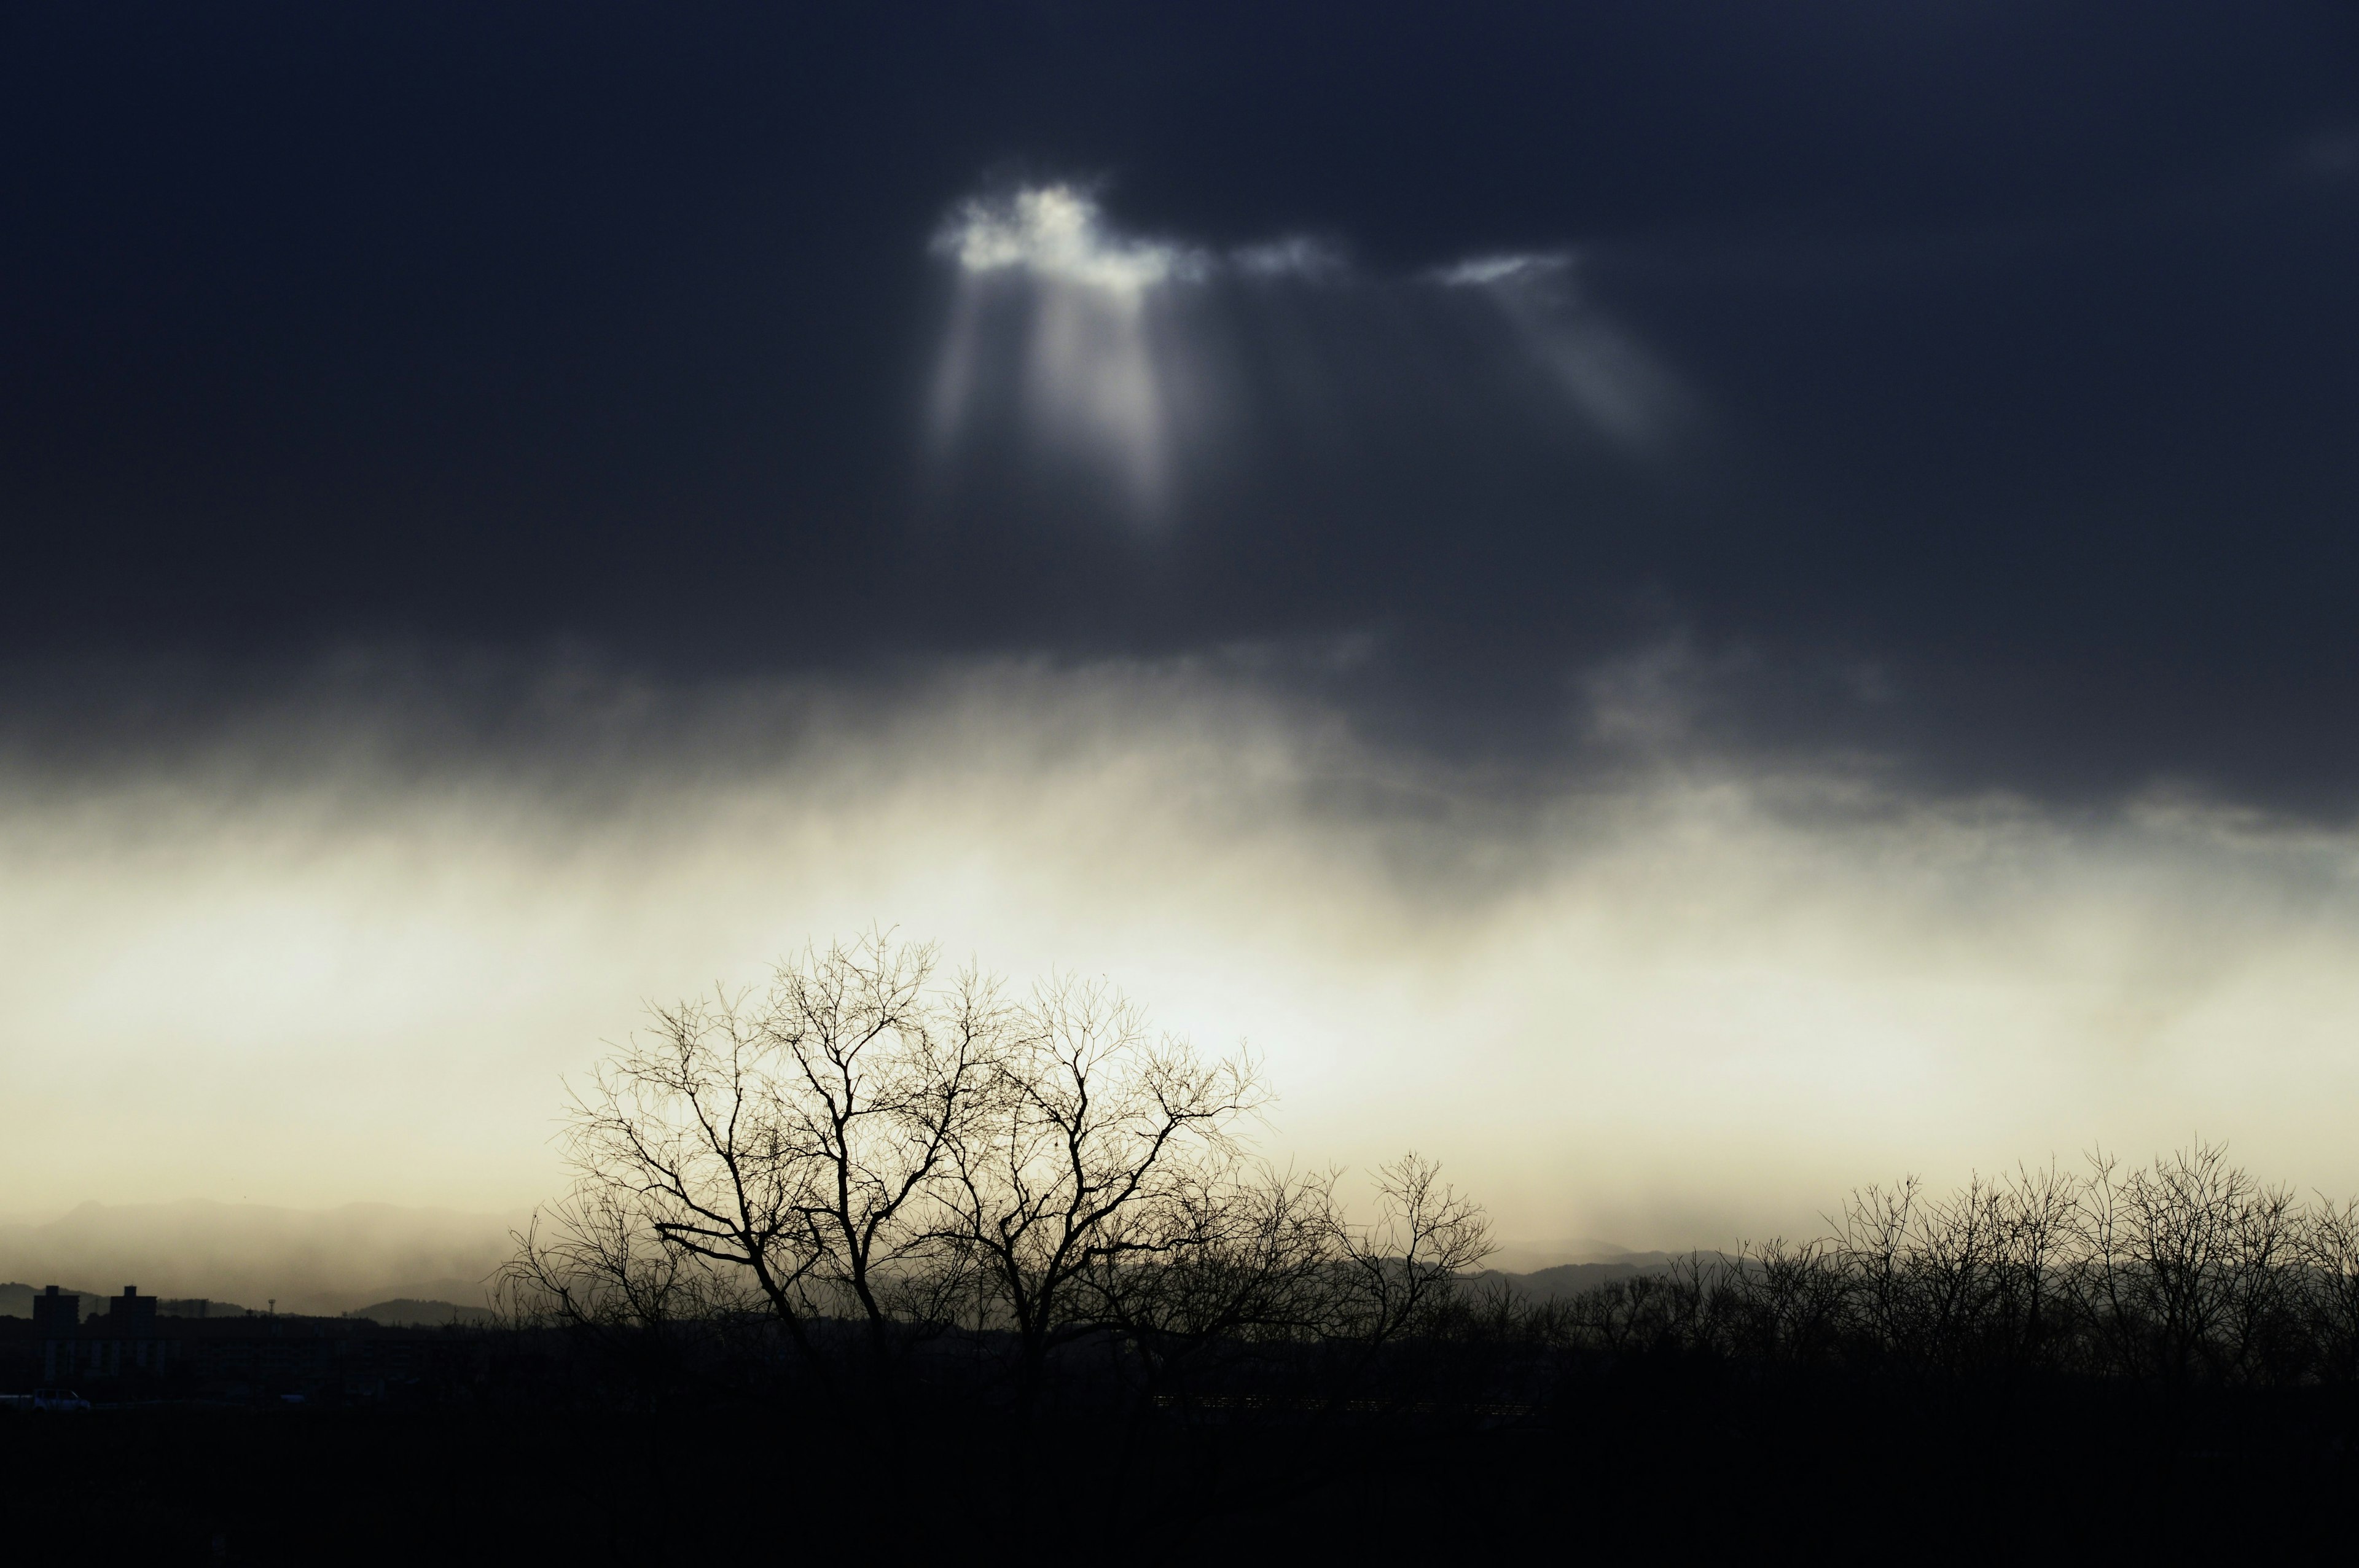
1093,338
1094,382
1605,373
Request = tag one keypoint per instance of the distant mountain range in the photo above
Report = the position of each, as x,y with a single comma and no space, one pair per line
1572,1279
1531,1256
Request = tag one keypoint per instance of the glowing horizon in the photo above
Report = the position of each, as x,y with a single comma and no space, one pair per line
1670,1010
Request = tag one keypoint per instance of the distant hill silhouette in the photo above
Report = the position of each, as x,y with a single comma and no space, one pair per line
408,1311
1531,1256
1571,1279
16,1299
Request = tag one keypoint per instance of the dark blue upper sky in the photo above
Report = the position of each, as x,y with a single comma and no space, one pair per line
2013,349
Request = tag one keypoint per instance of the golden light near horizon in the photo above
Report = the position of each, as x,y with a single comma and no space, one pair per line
1684,1009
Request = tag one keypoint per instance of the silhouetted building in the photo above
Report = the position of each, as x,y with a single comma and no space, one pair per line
121,1344
135,1349
132,1314
56,1313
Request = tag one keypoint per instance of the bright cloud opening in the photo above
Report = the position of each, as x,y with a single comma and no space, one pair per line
1093,383
1106,348
1056,234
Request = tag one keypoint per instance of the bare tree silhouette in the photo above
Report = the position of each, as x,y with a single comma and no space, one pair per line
1102,1145
1240,1258
2185,1262
862,1144
1399,1268
870,1154
780,1153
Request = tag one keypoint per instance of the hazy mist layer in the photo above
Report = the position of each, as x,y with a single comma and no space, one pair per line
341,942
251,1255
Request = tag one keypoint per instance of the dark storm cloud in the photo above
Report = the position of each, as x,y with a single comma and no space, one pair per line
2014,355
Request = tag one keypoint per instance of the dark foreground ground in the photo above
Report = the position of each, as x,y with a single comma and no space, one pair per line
1680,1466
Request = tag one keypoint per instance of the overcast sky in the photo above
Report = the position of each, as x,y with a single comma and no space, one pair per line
1718,599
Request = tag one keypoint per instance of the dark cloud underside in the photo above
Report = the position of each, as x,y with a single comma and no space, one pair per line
2016,359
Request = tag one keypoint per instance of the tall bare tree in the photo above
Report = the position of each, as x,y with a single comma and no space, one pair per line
1247,1258
2329,1254
676,1148
1396,1269
789,1145
874,1080
864,1143
1098,1137
2185,1260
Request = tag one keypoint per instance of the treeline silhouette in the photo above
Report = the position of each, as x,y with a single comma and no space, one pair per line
875,1171
2188,1269
878,1257
866,1178
867,1203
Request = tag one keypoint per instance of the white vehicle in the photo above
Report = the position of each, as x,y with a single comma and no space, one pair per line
58,1399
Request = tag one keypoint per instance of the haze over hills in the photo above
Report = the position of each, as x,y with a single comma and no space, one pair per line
1529,1257
308,1261
402,1265
414,1314
1563,1280
16,1299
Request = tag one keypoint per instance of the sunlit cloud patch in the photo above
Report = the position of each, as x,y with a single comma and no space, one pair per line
1056,234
